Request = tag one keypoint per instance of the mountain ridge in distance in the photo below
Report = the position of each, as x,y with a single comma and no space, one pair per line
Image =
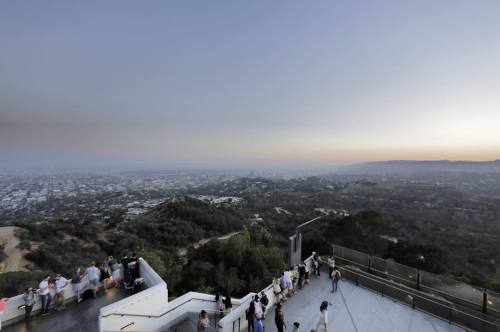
421,166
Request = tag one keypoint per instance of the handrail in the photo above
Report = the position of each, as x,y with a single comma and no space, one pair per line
157,315
418,294
451,297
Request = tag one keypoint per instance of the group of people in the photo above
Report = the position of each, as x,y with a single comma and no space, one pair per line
224,304
296,278
109,270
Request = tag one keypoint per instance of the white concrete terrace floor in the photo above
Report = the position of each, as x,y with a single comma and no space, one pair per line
370,311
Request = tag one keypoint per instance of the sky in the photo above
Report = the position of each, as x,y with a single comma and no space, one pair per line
242,82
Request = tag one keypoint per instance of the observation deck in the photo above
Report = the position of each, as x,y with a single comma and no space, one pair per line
369,299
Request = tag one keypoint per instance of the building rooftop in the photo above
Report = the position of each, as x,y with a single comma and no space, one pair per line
354,308
82,317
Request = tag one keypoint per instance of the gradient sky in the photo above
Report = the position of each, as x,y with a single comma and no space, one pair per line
241,81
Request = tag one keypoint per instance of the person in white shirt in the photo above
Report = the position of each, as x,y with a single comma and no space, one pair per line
331,265
44,292
92,273
258,308
60,286
323,317
288,282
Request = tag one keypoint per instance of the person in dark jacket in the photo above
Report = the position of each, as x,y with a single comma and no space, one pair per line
227,302
250,314
264,301
279,318
126,272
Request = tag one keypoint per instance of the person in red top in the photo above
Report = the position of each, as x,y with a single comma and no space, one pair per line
2,308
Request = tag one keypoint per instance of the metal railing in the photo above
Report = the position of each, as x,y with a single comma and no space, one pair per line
479,309
419,300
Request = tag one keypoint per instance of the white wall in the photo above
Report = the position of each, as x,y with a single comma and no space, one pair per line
150,301
12,314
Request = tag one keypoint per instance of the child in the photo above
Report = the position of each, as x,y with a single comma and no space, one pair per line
296,327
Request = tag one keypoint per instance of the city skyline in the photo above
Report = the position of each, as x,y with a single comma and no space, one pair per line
234,83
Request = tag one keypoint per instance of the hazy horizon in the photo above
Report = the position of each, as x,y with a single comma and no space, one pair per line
234,83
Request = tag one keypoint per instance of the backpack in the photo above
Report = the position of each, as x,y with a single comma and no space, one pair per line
337,275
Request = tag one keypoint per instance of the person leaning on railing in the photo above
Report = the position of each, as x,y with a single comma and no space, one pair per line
29,302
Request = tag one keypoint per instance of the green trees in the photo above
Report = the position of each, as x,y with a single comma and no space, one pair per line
238,265
14,283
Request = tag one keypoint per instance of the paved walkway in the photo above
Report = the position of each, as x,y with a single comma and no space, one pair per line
354,309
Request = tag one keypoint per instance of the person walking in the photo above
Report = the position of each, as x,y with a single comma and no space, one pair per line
3,303
44,292
203,322
335,276
29,302
279,318
296,327
60,286
323,317
92,273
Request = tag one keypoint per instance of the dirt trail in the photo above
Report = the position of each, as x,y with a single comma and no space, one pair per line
15,257
196,245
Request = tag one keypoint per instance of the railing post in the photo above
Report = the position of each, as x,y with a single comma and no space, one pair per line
485,302
418,279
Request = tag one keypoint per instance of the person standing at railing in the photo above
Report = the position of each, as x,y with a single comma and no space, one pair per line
277,290
3,302
227,302
220,302
302,275
104,275
316,262
295,276
29,302
60,286
92,273
76,283
44,292
331,265
126,272
283,284
279,318
264,301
